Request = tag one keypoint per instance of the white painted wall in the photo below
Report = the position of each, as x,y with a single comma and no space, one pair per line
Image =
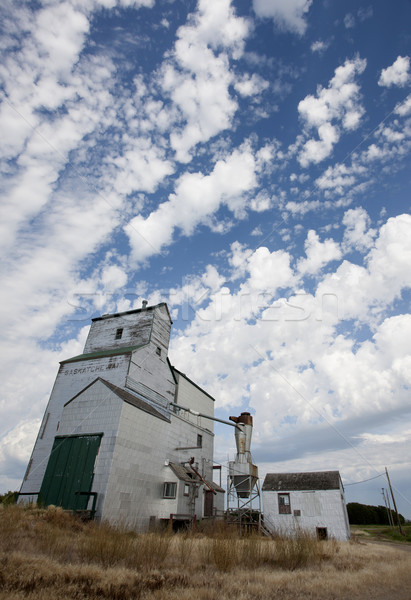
190,396
139,470
320,508
71,379
96,410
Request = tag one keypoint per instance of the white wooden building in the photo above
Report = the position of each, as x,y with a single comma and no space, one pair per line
111,442
312,502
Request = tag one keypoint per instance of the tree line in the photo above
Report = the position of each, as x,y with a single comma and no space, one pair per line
364,514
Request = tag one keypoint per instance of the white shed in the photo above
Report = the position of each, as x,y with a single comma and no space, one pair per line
312,502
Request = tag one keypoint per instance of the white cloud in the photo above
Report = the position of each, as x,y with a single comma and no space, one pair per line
336,177
357,235
364,292
319,46
365,13
60,31
396,74
339,102
23,403
287,14
113,277
311,388
315,151
318,254
404,108
257,231
349,21
196,198
141,166
251,86
261,202
268,271
198,76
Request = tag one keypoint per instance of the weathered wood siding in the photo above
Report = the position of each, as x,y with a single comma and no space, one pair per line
136,331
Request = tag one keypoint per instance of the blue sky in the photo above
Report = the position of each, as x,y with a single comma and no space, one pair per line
248,164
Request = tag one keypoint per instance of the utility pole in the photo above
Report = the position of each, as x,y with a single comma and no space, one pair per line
395,506
389,506
386,506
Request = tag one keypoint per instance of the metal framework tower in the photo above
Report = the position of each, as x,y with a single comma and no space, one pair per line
243,487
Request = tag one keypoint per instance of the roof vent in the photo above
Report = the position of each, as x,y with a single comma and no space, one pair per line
145,304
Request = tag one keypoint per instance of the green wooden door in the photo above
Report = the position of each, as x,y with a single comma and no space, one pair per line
70,470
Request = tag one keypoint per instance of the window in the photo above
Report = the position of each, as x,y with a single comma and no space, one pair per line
169,490
322,533
284,506
186,489
158,351
199,441
119,333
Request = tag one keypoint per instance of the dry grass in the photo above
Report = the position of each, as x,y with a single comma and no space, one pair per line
49,554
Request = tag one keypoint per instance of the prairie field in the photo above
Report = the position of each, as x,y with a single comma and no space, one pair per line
47,553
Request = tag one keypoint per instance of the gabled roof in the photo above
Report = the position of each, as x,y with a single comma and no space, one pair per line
133,312
291,482
126,396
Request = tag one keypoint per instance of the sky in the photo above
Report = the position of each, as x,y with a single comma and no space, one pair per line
249,164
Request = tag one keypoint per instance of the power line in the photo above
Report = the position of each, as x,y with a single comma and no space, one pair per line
364,480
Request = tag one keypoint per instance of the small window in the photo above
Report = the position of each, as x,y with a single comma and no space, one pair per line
284,506
186,489
158,351
169,490
199,441
322,533
119,333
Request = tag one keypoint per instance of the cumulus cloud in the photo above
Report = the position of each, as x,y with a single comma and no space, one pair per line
339,103
289,357
315,151
196,197
318,254
197,76
250,86
287,14
397,74
404,108
365,291
357,235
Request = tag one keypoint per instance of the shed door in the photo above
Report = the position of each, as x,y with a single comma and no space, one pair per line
208,503
70,470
